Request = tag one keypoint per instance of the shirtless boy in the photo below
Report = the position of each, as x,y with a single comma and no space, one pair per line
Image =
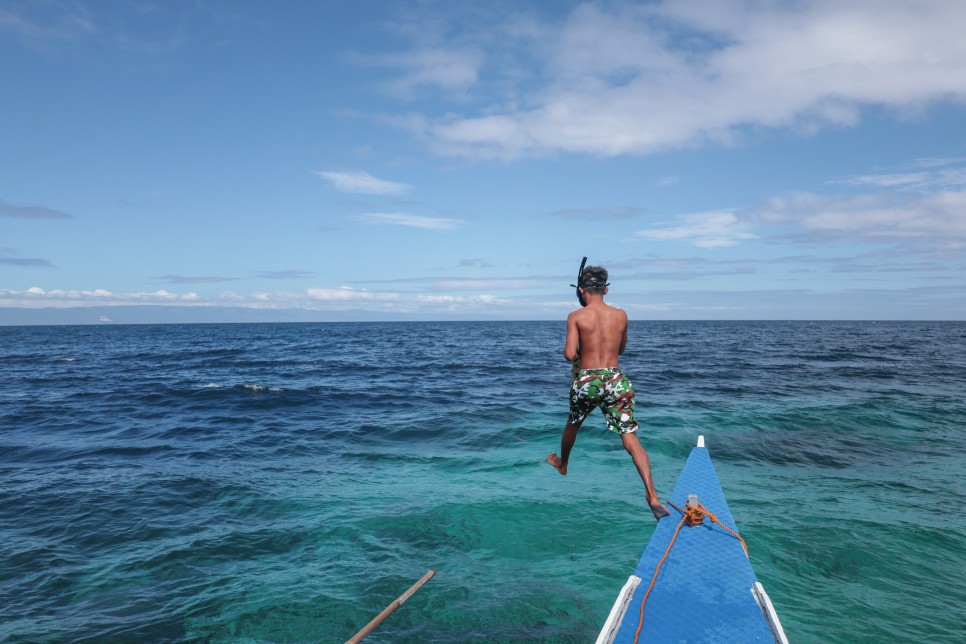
596,336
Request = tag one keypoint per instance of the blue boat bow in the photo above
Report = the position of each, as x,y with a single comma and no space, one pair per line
706,589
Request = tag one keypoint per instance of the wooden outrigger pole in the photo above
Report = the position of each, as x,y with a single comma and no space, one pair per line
371,626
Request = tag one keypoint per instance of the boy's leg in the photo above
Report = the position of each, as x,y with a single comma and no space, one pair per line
643,464
567,441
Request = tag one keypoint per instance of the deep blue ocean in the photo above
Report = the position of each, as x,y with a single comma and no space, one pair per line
286,482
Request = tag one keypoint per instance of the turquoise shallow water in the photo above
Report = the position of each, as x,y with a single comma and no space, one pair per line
284,483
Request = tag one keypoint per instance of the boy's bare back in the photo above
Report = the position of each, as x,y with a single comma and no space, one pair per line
599,331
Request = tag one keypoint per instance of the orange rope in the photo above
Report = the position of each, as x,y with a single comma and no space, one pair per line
695,516
640,621
692,515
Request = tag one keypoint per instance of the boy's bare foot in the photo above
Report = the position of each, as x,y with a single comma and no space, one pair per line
658,509
554,460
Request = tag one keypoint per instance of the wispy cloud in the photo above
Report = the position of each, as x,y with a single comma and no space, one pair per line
411,221
473,263
64,23
11,257
343,298
31,212
934,221
487,299
609,79
451,70
194,279
463,284
612,213
927,175
287,275
362,182
441,60
149,29
462,303
703,229
668,268
216,279
348,294
466,263
36,297
26,261
887,180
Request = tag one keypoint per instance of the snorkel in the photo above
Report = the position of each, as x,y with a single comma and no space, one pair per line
575,363
580,272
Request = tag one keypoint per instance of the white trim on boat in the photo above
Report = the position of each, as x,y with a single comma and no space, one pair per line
701,441
613,623
768,610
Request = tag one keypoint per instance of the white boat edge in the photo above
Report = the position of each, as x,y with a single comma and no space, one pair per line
768,610
613,623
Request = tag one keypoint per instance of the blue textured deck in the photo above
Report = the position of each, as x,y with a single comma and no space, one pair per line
703,592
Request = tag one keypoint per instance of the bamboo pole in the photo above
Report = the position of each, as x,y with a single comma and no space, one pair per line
371,626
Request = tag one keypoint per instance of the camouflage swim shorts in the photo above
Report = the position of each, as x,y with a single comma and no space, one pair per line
611,390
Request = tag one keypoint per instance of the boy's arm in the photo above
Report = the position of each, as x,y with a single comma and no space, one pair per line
623,338
573,337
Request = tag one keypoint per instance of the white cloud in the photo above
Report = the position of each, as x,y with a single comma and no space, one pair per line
346,294
442,58
703,229
363,183
484,304
459,299
887,180
932,221
411,221
450,70
36,297
615,79
934,179
470,283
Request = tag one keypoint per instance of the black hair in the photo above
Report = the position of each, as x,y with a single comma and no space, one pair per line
594,279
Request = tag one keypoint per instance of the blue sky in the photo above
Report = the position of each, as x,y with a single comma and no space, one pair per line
455,160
